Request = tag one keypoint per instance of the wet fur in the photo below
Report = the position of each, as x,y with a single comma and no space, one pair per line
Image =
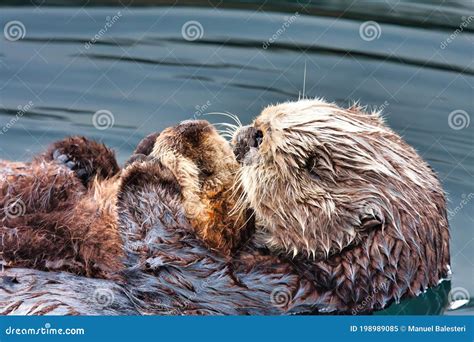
173,267
74,227
51,219
203,164
353,204
168,266
169,270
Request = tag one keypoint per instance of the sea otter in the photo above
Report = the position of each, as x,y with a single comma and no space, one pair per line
357,208
312,157
61,211
168,264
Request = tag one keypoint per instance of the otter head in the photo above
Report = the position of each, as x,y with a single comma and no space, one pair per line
320,177
205,168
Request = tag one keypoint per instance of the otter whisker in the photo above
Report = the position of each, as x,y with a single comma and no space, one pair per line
229,115
300,95
228,125
246,221
304,79
242,200
227,133
227,130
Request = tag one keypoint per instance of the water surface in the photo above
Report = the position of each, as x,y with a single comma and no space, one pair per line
149,75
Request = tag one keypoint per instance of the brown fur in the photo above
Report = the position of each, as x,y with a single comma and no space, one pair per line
66,225
339,190
205,167
169,270
88,158
51,220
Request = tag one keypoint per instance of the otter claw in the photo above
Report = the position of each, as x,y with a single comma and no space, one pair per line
62,158
82,173
86,158
56,154
138,157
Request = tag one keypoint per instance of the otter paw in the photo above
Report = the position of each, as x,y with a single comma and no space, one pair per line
145,170
143,149
68,161
145,146
137,158
85,157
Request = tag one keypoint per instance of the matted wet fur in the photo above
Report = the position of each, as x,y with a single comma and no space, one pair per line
170,269
205,167
58,212
341,193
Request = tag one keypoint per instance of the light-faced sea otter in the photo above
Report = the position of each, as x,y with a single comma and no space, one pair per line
345,223
346,197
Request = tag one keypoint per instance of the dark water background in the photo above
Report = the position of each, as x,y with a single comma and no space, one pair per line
147,76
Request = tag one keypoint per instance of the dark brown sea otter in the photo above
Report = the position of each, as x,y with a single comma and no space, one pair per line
172,266
60,212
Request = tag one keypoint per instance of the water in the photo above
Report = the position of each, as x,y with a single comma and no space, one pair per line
143,73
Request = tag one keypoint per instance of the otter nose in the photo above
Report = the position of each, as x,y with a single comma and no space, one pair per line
243,141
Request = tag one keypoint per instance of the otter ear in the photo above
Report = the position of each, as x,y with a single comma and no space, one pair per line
311,166
371,218
370,223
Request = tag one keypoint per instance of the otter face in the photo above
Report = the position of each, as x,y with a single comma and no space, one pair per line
205,168
320,177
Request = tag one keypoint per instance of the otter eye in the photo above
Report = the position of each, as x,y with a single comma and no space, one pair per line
311,166
258,138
